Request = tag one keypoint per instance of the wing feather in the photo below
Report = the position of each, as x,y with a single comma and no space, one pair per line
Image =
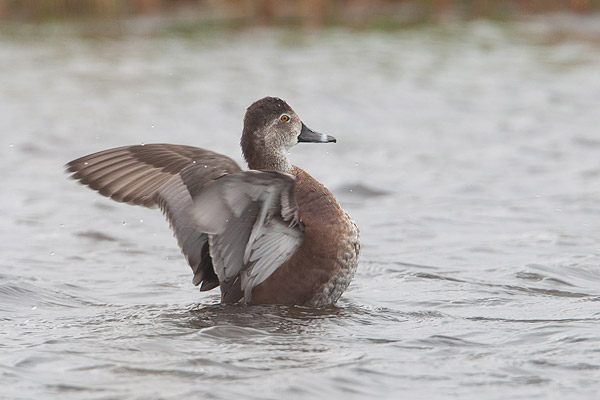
114,172
151,176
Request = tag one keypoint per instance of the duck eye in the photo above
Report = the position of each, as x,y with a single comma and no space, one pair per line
285,118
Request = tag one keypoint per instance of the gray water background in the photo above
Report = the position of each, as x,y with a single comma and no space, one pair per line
468,155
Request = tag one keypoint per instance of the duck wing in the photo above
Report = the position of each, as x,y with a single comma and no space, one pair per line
235,228
136,174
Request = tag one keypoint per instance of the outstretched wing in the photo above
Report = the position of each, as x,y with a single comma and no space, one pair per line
136,175
235,228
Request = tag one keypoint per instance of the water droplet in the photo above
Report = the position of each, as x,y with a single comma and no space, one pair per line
141,221
143,144
151,126
205,166
356,164
51,253
11,145
34,307
559,209
62,225
350,190
194,162
85,163
124,223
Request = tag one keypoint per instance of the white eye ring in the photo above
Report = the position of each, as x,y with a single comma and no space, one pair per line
285,118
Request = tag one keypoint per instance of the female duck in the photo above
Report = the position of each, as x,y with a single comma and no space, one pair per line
270,235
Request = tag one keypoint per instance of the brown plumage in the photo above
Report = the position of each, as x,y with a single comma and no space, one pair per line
272,234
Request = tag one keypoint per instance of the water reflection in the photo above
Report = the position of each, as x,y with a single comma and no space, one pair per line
258,319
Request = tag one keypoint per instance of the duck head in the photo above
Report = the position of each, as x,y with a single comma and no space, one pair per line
271,128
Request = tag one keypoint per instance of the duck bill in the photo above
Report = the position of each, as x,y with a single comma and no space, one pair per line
307,135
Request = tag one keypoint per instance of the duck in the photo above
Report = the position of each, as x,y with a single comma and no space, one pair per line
271,234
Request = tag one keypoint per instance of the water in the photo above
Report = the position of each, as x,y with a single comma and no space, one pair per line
468,156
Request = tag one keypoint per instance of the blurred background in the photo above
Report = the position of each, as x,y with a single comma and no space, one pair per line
468,153
359,13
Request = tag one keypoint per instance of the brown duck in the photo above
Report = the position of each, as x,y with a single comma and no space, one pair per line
269,235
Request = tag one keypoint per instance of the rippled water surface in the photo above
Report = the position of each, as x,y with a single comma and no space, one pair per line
469,157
